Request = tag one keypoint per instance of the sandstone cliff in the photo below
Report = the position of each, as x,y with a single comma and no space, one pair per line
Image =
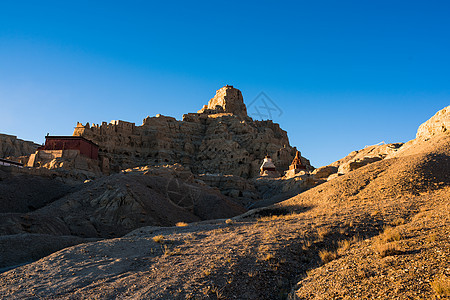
220,138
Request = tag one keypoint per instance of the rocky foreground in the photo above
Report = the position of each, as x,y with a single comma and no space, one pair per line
379,231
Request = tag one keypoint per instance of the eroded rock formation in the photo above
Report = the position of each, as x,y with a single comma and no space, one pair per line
220,138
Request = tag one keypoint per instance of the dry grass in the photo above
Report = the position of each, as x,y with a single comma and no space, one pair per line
269,257
441,286
169,252
387,243
388,249
229,221
398,221
252,274
307,244
328,255
323,232
158,239
268,218
391,234
344,245
374,213
432,238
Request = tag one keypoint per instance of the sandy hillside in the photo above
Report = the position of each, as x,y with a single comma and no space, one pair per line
379,232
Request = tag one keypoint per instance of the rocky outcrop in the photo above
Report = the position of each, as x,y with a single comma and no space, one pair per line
436,125
356,159
12,147
382,151
219,139
226,100
434,128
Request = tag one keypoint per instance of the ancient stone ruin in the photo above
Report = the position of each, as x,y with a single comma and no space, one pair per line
219,139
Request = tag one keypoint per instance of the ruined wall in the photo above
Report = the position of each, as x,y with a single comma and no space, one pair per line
206,142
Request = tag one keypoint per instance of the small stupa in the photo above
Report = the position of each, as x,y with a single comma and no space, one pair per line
296,166
268,168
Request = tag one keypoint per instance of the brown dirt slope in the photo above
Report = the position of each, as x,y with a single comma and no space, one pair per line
379,232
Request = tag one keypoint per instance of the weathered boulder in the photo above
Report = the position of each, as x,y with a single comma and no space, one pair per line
333,176
438,124
324,172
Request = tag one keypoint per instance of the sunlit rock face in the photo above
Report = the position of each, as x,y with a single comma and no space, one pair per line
227,100
220,138
436,125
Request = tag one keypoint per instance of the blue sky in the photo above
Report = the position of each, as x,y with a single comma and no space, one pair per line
345,74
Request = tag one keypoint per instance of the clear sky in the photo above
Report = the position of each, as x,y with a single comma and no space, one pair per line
344,74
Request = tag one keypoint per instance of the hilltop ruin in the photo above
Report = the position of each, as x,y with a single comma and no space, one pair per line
220,139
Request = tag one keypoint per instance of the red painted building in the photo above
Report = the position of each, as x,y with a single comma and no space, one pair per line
85,146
